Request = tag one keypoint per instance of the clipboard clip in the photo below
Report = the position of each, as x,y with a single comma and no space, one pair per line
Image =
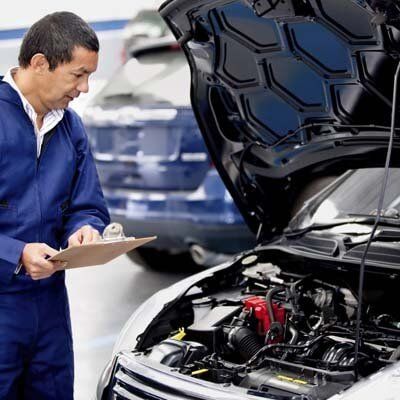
113,231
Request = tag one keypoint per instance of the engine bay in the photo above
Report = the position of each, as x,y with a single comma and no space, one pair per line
281,335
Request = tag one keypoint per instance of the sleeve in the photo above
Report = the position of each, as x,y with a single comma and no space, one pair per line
86,205
10,249
10,255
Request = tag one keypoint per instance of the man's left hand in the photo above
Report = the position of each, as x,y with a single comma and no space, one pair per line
84,235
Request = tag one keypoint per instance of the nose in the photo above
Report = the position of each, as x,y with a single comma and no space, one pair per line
83,85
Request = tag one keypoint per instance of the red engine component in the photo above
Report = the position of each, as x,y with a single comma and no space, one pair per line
260,311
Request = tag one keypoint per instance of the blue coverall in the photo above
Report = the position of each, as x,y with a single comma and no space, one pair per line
41,200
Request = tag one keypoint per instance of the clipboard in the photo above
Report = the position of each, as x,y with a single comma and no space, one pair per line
101,252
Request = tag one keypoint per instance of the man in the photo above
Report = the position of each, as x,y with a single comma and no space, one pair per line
50,197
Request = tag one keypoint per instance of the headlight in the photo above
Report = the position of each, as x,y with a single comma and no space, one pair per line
104,379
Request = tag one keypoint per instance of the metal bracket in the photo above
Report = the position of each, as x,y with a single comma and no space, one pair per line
114,231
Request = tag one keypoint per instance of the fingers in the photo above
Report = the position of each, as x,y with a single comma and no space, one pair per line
49,251
96,235
39,267
84,235
38,276
34,260
34,256
75,239
60,265
89,235
39,272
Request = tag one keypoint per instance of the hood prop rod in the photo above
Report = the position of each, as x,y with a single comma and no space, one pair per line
373,231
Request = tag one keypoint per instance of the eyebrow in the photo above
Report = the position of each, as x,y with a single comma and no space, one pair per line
82,69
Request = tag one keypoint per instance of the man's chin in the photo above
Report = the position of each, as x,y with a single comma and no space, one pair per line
65,103
61,104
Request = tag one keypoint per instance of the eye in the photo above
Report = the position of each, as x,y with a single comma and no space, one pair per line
78,75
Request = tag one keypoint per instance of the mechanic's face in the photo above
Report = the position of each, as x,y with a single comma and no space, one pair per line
68,80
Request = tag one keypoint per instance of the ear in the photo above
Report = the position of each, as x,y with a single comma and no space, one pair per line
39,63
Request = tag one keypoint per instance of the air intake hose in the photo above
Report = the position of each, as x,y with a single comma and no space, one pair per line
244,341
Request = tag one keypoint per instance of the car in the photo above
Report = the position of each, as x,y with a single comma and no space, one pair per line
146,26
294,100
154,168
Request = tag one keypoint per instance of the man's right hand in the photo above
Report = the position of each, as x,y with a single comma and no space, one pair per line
34,260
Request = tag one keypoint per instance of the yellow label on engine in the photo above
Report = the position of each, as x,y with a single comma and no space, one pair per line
290,379
301,382
199,371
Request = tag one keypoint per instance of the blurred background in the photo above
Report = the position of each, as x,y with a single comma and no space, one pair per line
155,170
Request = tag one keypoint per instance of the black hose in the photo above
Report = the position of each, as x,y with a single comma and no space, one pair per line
293,294
245,341
295,334
271,293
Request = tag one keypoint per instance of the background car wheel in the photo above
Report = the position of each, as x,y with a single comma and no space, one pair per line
163,260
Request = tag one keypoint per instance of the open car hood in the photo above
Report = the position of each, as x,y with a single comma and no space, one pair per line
270,78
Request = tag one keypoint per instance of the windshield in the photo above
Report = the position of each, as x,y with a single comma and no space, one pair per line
354,193
150,79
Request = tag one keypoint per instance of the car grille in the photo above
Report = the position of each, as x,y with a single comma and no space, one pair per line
135,377
130,386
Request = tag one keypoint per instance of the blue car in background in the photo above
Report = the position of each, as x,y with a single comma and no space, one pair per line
155,170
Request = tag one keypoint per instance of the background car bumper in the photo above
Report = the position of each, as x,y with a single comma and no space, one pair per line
181,219
178,235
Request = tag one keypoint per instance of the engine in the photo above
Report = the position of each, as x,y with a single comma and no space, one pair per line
286,335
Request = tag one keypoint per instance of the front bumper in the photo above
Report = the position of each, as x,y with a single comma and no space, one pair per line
135,377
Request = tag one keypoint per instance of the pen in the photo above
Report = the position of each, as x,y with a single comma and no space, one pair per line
18,269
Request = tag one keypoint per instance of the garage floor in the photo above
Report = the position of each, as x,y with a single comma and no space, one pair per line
101,299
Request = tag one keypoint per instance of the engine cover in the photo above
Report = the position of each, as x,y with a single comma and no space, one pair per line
259,307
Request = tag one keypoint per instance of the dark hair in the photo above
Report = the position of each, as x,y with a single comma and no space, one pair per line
56,35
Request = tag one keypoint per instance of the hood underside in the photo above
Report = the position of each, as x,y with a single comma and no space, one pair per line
287,91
